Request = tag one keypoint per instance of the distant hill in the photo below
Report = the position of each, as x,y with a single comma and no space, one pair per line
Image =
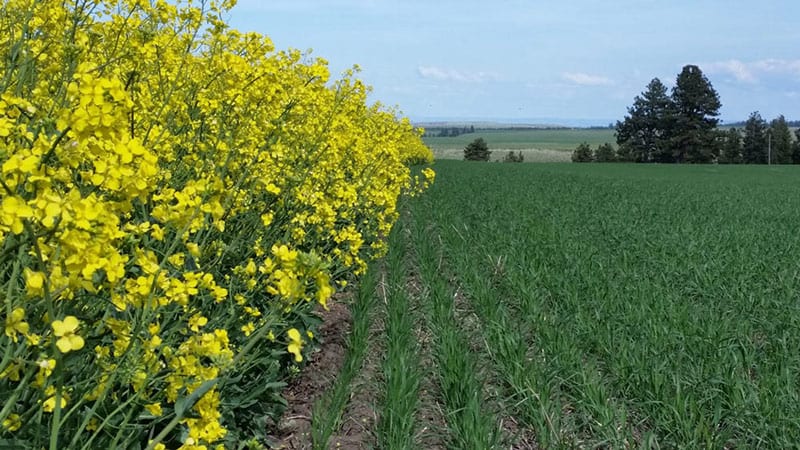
491,123
481,125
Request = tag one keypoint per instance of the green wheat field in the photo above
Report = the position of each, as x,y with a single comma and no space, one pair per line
587,306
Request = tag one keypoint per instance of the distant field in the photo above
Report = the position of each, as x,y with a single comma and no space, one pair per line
530,154
532,142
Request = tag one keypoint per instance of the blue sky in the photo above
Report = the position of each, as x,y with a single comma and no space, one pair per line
548,60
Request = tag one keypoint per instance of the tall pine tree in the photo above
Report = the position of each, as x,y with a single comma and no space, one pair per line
796,147
696,106
642,135
781,141
731,147
754,145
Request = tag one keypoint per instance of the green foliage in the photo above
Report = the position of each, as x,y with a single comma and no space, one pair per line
796,147
644,131
471,425
625,152
605,153
648,317
477,150
513,157
731,143
401,366
672,128
696,106
781,141
582,153
329,408
754,146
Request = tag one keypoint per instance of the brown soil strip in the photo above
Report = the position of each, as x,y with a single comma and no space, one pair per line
293,429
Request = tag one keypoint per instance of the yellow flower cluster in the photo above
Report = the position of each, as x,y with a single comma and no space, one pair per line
174,194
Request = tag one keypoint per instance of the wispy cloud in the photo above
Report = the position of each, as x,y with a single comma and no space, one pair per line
752,71
585,79
445,74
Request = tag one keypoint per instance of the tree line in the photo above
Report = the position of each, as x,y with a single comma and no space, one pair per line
449,131
681,127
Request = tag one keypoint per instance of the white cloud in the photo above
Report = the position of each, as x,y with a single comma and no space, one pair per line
585,79
739,70
750,72
444,74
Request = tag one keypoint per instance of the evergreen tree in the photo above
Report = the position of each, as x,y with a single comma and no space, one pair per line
624,153
696,106
796,147
754,145
582,153
605,153
644,131
513,157
731,143
477,150
781,141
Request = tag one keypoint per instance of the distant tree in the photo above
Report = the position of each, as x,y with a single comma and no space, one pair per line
472,128
781,141
696,106
754,145
731,144
477,150
513,157
644,131
582,153
796,147
605,153
624,153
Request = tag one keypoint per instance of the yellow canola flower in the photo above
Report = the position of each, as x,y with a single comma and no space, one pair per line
12,210
49,405
34,282
295,344
196,322
154,409
248,328
15,323
65,331
11,372
12,423
46,367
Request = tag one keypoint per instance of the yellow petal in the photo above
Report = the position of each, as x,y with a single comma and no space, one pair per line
17,314
64,345
58,327
76,342
295,350
71,323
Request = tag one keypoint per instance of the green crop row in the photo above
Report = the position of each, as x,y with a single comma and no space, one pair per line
630,306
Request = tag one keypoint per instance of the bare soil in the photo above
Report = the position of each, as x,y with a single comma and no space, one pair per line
293,429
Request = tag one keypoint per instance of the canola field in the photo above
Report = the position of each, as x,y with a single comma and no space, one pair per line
176,197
